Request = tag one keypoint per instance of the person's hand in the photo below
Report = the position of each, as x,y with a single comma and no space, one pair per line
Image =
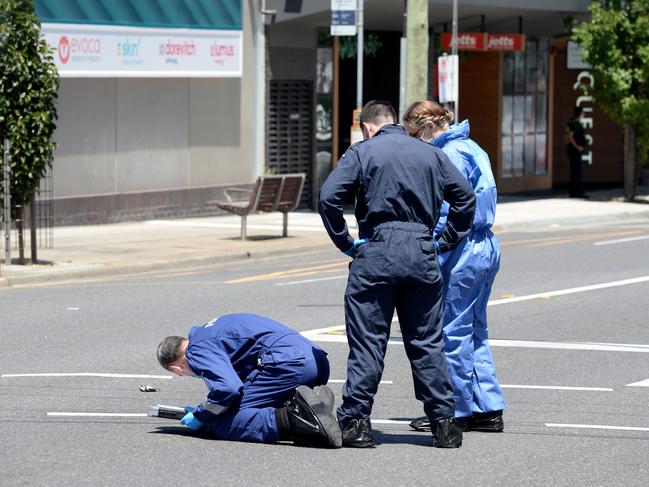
191,421
357,243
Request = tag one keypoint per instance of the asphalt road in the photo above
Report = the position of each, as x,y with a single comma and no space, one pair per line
569,329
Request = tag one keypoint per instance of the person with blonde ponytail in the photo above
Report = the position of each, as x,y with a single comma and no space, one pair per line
468,272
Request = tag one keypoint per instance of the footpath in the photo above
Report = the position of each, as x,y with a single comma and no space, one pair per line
84,252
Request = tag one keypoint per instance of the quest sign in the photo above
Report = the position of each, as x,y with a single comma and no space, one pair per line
481,41
114,51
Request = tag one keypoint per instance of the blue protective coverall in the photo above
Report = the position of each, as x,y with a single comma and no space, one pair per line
469,272
399,183
251,365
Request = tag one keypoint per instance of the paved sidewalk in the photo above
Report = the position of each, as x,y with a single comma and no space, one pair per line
124,248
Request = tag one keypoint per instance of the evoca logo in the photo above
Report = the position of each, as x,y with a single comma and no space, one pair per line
64,49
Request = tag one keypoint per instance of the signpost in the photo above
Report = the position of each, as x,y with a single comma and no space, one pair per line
448,79
7,201
343,17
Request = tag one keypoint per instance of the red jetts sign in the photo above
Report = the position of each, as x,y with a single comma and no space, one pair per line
481,41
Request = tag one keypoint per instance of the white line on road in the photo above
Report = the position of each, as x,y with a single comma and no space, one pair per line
332,335
574,290
91,374
621,240
340,381
596,427
556,388
389,421
97,415
642,383
318,279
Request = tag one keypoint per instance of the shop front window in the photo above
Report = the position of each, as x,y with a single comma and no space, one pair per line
524,111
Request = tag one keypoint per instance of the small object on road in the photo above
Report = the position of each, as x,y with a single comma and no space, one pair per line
167,412
145,388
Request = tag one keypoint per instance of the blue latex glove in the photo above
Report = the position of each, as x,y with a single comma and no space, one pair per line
191,421
357,243
190,409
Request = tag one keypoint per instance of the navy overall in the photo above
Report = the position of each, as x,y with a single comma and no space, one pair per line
399,184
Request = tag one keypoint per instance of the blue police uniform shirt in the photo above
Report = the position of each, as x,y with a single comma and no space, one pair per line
225,351
395,177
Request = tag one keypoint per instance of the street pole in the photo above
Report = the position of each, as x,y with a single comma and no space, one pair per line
417,51
402,61
7,201
359,55
456,108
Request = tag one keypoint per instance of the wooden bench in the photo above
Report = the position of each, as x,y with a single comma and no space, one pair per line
269,193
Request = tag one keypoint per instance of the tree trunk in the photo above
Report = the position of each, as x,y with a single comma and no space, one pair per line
629,162
21,240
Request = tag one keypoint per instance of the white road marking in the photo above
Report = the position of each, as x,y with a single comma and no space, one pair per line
389,421
305,281
340,381
91,374
621,240
596,427
72,309
574,290
642,383
556,388
97,415
332,335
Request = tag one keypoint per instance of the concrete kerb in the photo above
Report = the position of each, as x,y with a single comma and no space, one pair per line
55,276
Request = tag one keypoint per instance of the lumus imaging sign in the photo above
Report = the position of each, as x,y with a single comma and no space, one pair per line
94,51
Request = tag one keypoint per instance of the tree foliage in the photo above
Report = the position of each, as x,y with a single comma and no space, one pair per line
616,44
28,94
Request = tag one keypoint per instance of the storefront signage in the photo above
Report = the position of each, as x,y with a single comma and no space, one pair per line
574,57
481,41
582,84
466,41
343,17
82,50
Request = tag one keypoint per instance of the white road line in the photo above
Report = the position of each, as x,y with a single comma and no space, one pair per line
331,335
340,381
556,388
642,383
91,374
318,279
574,290
72,309
97,415
596,427
621,240
389,421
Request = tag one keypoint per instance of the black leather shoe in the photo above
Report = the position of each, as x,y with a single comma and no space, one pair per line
311,421
446,434
358,434
423,424
491,422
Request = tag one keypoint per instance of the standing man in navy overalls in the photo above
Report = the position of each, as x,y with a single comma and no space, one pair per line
399,184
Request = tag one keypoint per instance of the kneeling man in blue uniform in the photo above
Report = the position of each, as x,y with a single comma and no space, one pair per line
265,381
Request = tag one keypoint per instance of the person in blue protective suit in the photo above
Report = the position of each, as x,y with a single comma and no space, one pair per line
469,272
399,184
265,381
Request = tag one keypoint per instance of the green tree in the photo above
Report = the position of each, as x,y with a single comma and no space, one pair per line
616,44
28,93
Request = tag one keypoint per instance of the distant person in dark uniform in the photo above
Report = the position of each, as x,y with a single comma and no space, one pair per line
399,184
576,144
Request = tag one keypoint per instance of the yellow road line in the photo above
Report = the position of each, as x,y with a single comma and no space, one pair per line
303,271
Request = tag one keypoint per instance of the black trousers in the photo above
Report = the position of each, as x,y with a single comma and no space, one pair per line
576,188
396,269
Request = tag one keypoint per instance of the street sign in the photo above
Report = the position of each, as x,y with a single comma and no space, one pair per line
343,17
448,70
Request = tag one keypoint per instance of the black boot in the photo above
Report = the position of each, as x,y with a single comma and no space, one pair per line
446,434
358,434
308,420
491,422
423,424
